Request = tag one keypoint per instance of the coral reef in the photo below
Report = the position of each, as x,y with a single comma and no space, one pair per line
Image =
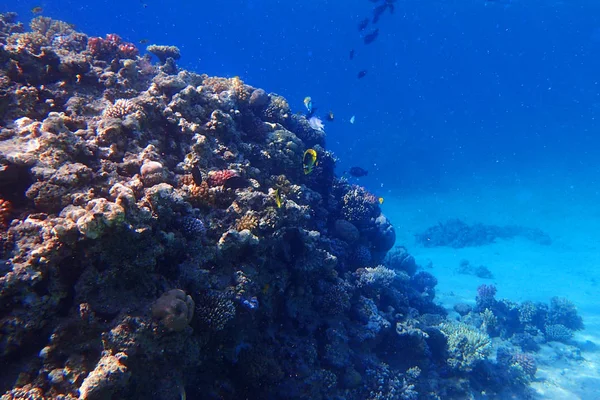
144,253
456,233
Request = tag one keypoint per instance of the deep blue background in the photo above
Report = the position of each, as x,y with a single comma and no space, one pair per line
454,88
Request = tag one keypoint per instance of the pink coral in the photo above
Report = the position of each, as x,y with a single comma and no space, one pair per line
105,47
219,178
128,50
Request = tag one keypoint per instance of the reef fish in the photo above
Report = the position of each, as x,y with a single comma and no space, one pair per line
380,200
362,25
370,38
309,161
278,198
352,54
358,172
352,119
362,74
37,10
330,116
308,104
196,174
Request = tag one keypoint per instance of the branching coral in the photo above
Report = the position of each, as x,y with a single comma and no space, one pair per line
466,345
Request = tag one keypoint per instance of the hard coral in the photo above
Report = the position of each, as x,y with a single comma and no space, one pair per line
164,52
220,178
121,108
174,309
248,221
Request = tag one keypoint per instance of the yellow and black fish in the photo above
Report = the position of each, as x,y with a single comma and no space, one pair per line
380,200
278,198
309,161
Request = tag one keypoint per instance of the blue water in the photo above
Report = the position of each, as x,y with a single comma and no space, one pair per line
453,87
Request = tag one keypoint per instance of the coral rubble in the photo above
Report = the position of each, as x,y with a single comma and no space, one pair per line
144,254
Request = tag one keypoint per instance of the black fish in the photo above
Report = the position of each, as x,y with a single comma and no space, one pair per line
371,36
378,11
235,182
352,54
196,174
358,172
362,74
363,24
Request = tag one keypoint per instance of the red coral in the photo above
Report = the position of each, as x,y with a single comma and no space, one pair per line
5,212
219,178
105,47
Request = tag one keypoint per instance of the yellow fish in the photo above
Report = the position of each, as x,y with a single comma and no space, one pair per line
309,161
308,104
380,200
278,198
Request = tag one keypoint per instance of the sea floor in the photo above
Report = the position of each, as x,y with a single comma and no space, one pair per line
523,270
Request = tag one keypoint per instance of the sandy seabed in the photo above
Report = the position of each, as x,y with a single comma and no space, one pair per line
523,270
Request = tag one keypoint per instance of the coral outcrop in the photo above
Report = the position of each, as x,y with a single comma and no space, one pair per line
144,254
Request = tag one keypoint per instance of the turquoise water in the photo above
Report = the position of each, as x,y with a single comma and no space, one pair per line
480,110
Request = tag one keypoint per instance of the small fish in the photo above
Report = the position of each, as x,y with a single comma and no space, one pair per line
357,172
278,198
362,74
196,174
352,119
37,10
309,161
370,38
308,104
330,116
380,200
378,11
265,288
144,41
352,54
362,25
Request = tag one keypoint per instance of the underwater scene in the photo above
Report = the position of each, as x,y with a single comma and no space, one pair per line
330,200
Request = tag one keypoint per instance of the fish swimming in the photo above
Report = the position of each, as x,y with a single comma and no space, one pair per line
309,161
357,172
370,38
352,119
278,198
308,104
380,200
352,54
196,174
330,116
362,25
39,10
362,74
